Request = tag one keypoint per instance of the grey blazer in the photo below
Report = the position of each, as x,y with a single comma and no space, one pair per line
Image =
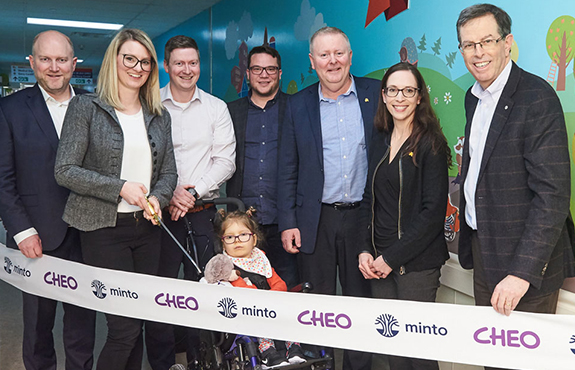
89,161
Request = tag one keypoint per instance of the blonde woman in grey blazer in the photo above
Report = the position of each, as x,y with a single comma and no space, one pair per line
116,150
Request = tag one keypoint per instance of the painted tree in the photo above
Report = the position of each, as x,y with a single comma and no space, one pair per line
422,44
437,47
450,58
560,40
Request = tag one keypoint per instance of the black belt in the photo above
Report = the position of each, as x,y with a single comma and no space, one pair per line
137,215
342,205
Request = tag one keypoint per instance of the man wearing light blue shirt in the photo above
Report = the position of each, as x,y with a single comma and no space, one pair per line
322,171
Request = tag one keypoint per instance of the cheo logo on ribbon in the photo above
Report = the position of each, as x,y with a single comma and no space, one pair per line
324,319
10,268
177,301
572,342
506,338
60,281
388,326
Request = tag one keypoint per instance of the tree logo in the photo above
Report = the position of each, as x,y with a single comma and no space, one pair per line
389,325
8,265
99,289
227,308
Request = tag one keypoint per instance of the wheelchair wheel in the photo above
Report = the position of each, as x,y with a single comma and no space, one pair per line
210,354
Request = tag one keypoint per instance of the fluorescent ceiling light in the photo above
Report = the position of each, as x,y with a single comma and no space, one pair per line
78,24
77,61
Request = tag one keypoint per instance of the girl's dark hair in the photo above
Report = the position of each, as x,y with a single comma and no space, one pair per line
426,130
223,219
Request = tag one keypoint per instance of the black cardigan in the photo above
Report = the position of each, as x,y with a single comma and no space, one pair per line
423,204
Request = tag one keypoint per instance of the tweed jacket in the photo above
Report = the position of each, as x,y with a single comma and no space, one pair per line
523,188
89,161
239,112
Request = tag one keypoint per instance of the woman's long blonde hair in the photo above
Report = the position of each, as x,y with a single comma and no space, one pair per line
108,79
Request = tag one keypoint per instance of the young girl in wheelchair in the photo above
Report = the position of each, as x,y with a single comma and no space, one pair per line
239,235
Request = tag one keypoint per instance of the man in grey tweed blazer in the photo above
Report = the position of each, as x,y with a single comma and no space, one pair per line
516,227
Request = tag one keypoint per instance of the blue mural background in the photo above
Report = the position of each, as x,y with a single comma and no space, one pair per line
223,28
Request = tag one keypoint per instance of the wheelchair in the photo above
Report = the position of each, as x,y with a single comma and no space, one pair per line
226,351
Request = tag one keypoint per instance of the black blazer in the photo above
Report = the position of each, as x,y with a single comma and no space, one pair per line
29,194
239,112
300,165
422,205
523,189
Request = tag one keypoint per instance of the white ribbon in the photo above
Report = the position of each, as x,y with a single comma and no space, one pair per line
445,332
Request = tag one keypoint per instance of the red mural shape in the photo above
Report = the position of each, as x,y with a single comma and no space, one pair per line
390,7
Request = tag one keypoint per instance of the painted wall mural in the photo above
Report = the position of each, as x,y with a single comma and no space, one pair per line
418,31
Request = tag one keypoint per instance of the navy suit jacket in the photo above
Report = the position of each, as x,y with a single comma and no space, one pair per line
29,194
239,112
523,189
300,171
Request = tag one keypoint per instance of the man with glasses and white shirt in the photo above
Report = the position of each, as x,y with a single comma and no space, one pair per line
516,183
204,147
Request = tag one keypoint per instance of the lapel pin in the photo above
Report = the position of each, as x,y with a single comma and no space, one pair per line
506,107
366,100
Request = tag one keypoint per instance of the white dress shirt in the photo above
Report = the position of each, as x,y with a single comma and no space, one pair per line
204,141
480,125
57,112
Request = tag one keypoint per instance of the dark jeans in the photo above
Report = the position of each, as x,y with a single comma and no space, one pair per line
39,316
418,286
540,304
283,262
160,338
336,252
133,246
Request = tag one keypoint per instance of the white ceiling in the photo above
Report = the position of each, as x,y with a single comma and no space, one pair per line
153,16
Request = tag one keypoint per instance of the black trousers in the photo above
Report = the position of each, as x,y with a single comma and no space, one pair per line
39,316
336,252
133,246
283,262
540,304
160,338
418,286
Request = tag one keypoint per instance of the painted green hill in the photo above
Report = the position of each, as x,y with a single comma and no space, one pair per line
435,63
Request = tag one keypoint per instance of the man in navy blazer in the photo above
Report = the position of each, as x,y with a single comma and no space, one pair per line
516,226
32,204
323,171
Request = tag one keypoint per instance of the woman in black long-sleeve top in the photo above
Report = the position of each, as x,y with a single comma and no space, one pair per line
406,197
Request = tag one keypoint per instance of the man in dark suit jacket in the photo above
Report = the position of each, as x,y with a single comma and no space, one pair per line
323,171
32,204
516,183
257,124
